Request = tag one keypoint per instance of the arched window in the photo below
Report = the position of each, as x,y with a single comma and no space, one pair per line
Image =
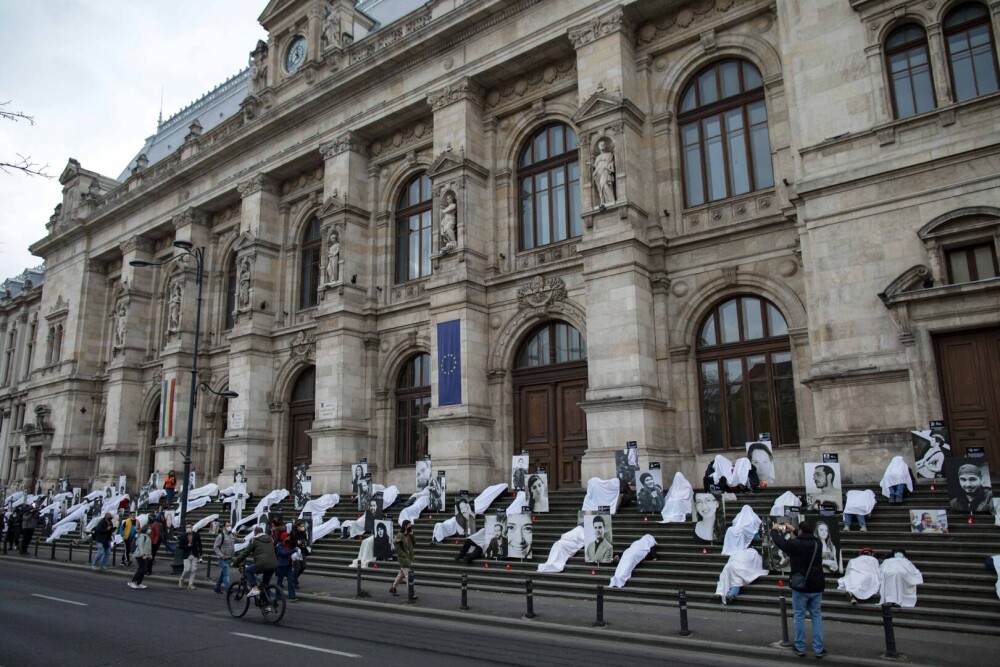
909,71
554,343
413,401
971,53
724,139
309,255
413,230
745,375
304,390
230,292
548,178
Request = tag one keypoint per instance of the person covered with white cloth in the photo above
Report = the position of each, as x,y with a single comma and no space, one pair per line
473,547
786,499
897,480
741,533
678,503
642,549
900,578
858,505
862,578
565,547
601,493
744,567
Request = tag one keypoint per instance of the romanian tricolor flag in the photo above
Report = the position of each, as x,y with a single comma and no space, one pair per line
167,408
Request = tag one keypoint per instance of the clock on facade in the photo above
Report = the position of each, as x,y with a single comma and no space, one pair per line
296,54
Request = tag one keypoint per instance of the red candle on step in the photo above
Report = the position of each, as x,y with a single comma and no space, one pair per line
508,567
592,573
704,552
970,520
486,565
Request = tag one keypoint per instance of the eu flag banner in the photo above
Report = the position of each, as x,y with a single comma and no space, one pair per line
450,362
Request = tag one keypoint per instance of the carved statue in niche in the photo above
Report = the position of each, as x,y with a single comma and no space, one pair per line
121,319
258,68
174,307
331,28
332,268
243,285
449,235
604,173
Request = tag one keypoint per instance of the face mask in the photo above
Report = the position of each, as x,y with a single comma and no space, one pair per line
899,556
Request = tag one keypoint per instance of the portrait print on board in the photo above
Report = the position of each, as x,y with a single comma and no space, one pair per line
708,517
358,472
649,491
776,560
598,539
969,486
930,449
761,455
627,464
496,534
538,492
519,472
826,529
424,472
373,512
364,492
436,491
823,490
465,515
929,522
519,533
383,540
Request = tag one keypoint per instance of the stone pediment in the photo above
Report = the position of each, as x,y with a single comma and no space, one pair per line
449,161
914,278
334,206
602,104
244,240
275,8
71,170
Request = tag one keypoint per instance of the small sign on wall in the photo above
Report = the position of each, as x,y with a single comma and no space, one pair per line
236,420
327,409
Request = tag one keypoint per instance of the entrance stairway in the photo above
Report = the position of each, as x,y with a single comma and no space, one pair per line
958,593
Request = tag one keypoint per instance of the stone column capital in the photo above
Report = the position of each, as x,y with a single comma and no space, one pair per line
600,26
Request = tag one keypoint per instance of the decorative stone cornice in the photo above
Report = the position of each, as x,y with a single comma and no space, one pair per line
256,184
348,141
191,216
600,26
541,80
415,134
135,243
464,89
686,16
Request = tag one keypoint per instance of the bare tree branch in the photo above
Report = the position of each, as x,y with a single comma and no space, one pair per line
14,116
22,164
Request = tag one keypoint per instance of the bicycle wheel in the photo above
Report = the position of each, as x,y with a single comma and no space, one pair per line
237,600
274,608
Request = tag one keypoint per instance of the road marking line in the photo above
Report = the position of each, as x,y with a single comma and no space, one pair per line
305,646
49,597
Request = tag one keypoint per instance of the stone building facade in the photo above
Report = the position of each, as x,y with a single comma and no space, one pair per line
467,229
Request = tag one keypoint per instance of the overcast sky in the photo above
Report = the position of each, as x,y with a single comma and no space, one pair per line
90,72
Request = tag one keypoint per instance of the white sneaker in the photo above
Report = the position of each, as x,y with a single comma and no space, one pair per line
132,584
864,529
254,592
142,586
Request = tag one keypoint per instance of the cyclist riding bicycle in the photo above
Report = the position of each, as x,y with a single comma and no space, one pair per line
264,560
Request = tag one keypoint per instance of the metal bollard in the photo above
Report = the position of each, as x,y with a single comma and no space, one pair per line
37,540
71,551
114,555
52,556
465,594
890,635
358,592
785,643
531,599
410,597
208,570
599,623
90,552
683,603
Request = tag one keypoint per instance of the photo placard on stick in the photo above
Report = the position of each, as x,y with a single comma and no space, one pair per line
358,472
465,514
826,529
424,472
823,487
761,455
436,493
538,491
649,490
519,536
364,492
373,512
930,449
708,517
969,486
383,540
627,463
519,471
496,533
775,559
598,538
929,522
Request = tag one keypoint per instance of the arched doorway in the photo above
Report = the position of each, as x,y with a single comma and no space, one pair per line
550,380
220,446
302,414
152,433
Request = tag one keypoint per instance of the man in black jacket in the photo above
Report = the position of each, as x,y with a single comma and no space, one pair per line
103,534
806,555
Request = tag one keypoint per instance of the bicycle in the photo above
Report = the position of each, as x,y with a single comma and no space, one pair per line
271,601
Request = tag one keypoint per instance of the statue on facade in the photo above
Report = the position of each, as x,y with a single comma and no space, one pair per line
174,307
331,28
243,285
449,238
121,318
332,268
604,174
257,77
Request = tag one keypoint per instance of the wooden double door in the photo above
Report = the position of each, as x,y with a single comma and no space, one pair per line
302,415
549,423
969,370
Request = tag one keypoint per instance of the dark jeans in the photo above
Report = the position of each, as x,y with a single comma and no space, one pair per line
140,571
26,535
298,567
285,572
470,551
170,497
150,561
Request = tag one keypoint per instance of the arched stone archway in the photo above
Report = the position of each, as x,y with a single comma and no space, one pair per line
301,415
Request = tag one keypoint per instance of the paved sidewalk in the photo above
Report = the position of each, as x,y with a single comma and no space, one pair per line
724,631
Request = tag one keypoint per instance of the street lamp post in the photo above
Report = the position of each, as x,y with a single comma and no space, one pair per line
189,250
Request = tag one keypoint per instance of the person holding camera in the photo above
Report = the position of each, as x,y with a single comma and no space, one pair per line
806,580
403,545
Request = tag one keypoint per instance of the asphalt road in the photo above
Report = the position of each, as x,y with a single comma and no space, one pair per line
53,616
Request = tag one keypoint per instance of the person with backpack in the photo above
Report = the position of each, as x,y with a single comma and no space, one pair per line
157,534
224,548
128,529
103,534
806,580
143,552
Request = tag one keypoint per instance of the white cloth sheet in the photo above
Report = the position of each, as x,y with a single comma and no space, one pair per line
203,491
389,494
206,521
412,513
564,549
319,507
862,578
155,495
744,567
897,472
631,557
263,506
354,526
723,468
996,566
366,554
516,506
900,579
325,529
678,503
741,471
740,534
56,501
197,503
479,537
786,499
601,493
445,529
860,502
486,498
73,514
61,530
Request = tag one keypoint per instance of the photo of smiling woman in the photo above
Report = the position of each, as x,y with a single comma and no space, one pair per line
538,492
519,531
708,521
969,485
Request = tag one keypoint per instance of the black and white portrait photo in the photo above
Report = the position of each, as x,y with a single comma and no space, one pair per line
465,515
776,560
598,539
358,472
424,472
929,522
823,487
709,519
930,449
826,529
436,491
626,465
364,492
969,487
519,529
301,494
121,485
538,492
373,512
383,540
518,472
762,457
649,491
496,536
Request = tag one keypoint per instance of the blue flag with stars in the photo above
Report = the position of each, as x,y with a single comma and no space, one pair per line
450,362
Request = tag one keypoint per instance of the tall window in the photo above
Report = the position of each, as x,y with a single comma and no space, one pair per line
554,343
413,401
548,178
8,361
231,292
977,261
971,54
724,137
413,230
312,247
32,333
745,374
909,71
